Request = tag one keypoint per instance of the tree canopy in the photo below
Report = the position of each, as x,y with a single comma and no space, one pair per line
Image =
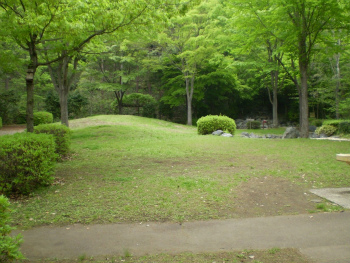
278,59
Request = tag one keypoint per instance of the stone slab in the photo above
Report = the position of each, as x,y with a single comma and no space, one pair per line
339,196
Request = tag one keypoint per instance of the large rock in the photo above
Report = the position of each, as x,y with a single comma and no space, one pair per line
291,133
226,134
217,133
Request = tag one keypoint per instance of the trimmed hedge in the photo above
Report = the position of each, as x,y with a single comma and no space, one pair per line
61,135
9,246
42,117
211,123
27,161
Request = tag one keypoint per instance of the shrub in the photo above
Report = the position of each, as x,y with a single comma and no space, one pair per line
211,123
0,122
326,129
253,125
344,127
42,117
9,246
334,123
61,135
27,161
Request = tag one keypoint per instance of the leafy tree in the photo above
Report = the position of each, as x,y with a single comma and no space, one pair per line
188,47
300,24
51,30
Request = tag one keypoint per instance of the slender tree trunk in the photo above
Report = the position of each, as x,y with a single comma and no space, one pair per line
63,94
338,84
303,100
30,98
275,99
62,83
119,94
189,96
33,65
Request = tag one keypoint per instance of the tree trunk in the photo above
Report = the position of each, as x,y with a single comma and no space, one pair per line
63,94
275,99
30,97
33,65
119,94
189,96
338,84
303,100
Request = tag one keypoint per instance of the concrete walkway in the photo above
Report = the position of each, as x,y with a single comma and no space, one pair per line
322,237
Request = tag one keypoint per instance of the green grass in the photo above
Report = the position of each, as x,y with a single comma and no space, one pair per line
132,169
274,255
276,131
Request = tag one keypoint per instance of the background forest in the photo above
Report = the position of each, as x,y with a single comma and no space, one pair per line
283,60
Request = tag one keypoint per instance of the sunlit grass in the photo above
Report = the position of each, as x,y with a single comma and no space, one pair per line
132,169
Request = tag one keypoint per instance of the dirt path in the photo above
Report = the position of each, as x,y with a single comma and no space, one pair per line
11,129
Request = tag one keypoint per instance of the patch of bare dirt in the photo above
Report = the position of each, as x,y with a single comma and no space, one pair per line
11,129
271,196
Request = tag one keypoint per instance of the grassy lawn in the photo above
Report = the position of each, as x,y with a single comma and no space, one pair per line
273,255
132,169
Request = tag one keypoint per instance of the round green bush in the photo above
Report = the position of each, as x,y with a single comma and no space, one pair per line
61,135
328,130
27,161
42,117
211,123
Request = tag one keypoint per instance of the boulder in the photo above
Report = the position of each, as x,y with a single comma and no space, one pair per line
245,134
227,134
291,133
312,128
218,132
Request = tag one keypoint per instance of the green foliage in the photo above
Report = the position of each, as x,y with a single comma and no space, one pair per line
42,117
52,104
146,101
328,130
138,99
211,123
344,127
334,123
76,102
27,161
8,106
9,246
61,135
253,125
316,122
0,122
20,117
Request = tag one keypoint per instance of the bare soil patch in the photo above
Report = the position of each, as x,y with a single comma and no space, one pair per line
271,196
11,129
